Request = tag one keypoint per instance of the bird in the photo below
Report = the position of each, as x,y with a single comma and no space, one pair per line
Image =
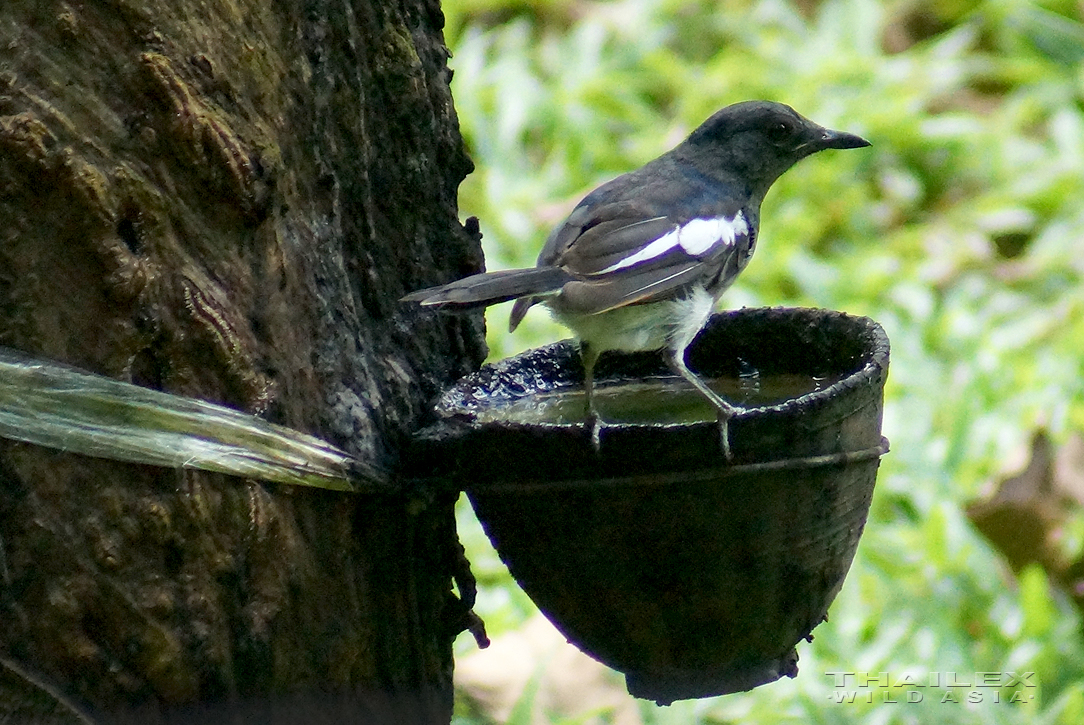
641,262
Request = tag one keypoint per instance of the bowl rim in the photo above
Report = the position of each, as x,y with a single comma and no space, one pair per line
449,405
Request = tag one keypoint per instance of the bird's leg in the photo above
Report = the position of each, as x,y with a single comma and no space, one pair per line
591,421
724,410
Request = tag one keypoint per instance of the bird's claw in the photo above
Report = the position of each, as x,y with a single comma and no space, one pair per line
723,421
592,425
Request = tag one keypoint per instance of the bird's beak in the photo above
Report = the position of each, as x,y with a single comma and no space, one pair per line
840,140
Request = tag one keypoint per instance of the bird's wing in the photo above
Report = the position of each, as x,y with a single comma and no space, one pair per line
626,254
590,297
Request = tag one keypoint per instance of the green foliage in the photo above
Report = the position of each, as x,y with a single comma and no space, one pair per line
961,231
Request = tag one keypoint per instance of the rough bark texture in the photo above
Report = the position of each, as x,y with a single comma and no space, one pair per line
225,199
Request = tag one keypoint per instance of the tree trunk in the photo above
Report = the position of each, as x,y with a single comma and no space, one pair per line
225,199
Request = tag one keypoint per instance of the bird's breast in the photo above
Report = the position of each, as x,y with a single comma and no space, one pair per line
629,328
653,326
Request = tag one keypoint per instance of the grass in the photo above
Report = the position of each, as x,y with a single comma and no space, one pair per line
959,231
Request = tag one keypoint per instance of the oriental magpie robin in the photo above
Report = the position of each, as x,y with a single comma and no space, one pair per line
640,263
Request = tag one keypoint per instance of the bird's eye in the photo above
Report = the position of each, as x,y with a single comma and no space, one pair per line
779,132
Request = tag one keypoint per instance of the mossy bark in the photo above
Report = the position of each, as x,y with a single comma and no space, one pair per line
225,199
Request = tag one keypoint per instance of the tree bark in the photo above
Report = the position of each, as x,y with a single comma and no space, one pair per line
225,199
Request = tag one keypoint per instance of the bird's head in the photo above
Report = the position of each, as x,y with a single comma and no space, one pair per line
756,141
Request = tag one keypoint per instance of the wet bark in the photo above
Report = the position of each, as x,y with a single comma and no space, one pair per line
225,199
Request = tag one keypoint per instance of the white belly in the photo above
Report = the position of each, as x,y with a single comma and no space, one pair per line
672,323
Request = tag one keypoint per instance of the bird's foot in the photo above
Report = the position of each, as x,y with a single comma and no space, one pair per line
592,426
724,410
723,422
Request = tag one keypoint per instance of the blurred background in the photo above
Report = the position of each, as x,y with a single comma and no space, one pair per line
961,231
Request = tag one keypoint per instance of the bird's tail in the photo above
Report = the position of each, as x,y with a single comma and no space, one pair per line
489,288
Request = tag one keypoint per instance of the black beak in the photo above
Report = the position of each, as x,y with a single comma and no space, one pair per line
840,140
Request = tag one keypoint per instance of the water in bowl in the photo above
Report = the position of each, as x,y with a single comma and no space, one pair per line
656,400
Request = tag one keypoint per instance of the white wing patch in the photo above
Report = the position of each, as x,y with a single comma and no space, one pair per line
694,238
700,235
657,248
